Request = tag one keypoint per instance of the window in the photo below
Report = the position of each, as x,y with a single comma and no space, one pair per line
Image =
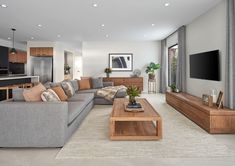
172,64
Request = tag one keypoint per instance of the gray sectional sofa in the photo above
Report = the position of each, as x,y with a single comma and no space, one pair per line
45,124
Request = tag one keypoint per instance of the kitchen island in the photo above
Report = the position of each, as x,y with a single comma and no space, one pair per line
9,82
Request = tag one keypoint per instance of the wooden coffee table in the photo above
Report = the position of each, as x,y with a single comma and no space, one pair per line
145,125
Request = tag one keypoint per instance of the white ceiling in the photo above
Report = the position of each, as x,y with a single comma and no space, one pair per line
78,20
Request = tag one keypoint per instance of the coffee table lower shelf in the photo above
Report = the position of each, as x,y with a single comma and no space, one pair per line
135,130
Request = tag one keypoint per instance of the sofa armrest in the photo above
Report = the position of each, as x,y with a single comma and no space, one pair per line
33,124
106,84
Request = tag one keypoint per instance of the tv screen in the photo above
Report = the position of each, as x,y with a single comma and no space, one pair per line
205,65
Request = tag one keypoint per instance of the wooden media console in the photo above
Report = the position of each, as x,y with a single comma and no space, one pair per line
211,119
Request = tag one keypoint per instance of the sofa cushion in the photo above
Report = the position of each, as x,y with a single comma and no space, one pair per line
86,97
84,84
97,83
49,96
87,91
68,88
74,109
34,93
121,93
60,93
17,94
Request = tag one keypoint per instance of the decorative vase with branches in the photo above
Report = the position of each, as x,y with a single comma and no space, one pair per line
107,71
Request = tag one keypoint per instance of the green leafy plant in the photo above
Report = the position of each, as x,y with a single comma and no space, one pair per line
133,92
173,87
152,67
67,69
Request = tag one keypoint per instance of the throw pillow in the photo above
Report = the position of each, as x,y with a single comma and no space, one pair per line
97,83
17,94
50,96
68,89
60,93
34,93
74,83
54,84
84,84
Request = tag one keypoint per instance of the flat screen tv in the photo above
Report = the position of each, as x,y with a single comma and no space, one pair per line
205,65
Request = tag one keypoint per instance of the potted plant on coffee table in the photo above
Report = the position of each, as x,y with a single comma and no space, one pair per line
151,68
133,92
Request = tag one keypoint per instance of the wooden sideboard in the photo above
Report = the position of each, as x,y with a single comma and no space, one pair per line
211,119
126,81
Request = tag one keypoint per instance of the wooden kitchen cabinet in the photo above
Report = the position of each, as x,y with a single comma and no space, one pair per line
20,57
41,51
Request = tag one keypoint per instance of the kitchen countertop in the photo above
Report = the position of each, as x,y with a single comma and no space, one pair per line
13,77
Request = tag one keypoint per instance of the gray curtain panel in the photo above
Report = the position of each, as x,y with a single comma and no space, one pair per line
163,75
181,63
230,58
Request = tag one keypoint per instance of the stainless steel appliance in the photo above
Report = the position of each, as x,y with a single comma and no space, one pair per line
43,67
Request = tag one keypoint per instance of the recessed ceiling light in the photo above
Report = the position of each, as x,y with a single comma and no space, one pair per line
153,25
9,38
95,5
3,5
102,25
106,36
167,4
32,38
39,25
58,36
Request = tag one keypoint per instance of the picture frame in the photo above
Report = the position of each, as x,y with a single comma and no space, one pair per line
207,100
121,61
220,100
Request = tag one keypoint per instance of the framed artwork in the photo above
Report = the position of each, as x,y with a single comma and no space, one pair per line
220,100
207,100
121,61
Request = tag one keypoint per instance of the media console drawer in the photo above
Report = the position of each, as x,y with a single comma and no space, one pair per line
211,119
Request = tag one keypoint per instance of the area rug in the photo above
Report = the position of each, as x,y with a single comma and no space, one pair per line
181,138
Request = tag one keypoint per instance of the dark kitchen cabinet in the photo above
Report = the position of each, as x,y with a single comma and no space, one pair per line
3,57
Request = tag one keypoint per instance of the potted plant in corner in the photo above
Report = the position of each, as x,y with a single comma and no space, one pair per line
107,71
151,68
67,69
133,92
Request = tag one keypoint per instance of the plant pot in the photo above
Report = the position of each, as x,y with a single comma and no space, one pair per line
151,76
132,100
107,75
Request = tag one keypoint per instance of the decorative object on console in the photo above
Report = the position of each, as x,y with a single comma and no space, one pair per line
121,61
136,73
207,100
213,94
174,89
151,68
108,70
220,100
133,92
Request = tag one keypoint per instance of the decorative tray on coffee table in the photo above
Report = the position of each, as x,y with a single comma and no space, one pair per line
133,108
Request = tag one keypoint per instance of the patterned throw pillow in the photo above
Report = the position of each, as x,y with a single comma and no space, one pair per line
68,89
50,96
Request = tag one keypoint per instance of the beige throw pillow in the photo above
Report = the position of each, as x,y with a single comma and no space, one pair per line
34,93
60,92
50,96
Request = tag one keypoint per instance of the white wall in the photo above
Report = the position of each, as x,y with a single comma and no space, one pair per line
8,43
96,55
58,57
207,33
